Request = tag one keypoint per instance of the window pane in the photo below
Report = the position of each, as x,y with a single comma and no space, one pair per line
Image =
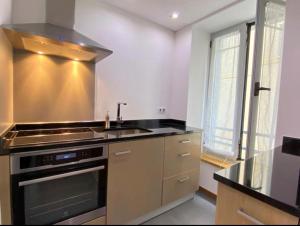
220,131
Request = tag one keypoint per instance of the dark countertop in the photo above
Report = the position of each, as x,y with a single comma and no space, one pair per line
272,177
19,138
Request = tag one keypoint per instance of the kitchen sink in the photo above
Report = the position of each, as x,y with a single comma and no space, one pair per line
123,131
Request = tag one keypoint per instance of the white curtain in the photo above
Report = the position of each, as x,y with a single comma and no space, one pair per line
222,129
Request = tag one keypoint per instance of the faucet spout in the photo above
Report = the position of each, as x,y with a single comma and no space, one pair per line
119,117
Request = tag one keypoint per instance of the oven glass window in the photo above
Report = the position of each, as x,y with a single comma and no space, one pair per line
58,200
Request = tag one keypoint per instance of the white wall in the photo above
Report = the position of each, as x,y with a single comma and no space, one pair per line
289,108
198,74
181,68
206,178
5,11
199,68
140,69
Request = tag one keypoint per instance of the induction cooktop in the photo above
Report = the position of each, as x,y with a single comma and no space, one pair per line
47,132
32,137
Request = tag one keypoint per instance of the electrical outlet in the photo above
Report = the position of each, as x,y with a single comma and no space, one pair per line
162,110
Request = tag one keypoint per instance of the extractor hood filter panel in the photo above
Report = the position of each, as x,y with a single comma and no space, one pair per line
57,41
57,49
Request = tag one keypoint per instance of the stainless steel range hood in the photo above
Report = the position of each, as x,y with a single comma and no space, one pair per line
54,40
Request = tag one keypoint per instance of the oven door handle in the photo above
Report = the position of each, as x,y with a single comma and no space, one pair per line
60,176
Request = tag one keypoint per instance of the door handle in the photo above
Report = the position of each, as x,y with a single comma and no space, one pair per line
184,155
123,153
60,176
185,141
258,88
185,179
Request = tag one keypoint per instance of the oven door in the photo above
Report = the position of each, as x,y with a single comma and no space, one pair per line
69,195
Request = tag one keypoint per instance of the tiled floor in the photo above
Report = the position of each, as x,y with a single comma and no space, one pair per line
200,211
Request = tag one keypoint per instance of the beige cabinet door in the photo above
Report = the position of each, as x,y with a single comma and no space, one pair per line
182,153
179,186
228,203
236,208
5,201
135,174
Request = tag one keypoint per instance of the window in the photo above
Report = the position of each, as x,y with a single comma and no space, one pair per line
241,110
225,94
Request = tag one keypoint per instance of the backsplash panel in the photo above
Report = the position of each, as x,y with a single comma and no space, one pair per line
52,89
6,84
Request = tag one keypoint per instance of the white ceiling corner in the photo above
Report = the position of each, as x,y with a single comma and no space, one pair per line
159,11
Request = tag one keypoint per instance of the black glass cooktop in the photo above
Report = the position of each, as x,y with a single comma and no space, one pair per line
31,137
272,177
46,132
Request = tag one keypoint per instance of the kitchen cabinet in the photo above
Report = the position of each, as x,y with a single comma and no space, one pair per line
236,208
5,201
179,186
135,175
182,153
181,166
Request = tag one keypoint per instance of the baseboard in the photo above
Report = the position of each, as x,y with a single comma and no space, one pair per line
207,193
160,211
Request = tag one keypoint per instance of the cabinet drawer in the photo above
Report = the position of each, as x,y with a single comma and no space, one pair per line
98,221
179,186
254,209
182,153
228,214
245,210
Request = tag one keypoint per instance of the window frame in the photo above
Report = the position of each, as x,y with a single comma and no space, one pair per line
243,29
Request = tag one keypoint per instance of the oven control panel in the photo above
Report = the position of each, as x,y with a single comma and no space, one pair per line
52,158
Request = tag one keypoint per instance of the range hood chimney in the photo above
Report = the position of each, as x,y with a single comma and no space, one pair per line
49,39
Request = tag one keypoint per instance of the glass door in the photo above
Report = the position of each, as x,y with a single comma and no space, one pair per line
66,195
267,73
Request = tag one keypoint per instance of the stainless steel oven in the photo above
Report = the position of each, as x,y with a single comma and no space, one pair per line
59,186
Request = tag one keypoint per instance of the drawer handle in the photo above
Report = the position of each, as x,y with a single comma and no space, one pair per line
253,220
185,141
185,179
184,155
123,153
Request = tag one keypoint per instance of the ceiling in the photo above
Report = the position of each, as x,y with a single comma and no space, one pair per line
239,13
160,11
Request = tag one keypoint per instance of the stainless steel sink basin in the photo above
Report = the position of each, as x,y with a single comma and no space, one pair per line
123,131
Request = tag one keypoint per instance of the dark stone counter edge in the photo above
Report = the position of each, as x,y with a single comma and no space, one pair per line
147,124
264,198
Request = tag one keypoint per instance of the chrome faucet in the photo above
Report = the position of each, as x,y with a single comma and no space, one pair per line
119,117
